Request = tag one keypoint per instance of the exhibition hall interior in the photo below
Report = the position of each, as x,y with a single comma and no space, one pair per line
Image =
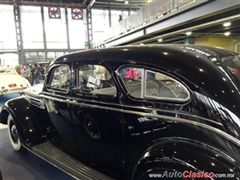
119,89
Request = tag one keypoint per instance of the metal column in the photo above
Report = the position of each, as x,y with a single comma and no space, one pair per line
18,27
44,33
110,17
67,29
129,12
89,27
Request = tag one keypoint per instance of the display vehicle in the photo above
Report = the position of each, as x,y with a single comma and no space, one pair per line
134,112
11,81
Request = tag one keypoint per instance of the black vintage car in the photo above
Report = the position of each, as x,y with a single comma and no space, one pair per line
135,112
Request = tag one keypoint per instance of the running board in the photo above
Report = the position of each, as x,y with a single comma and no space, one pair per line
66,163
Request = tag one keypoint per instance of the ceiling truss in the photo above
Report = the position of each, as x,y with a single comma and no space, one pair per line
100,4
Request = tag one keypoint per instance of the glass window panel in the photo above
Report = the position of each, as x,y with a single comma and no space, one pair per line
60,79
9,59
59,54
132,78
7,30
125,14
96,80
32,27
100,22
56,34
53,55
133,12
34,57
152,85
77,32
115,16
160,86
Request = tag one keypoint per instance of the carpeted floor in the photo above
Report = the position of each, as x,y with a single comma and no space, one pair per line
24,166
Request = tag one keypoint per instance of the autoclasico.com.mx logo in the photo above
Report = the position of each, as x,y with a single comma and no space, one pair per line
190,174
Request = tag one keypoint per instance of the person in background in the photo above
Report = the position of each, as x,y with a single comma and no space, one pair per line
35,71
26,73
120,18
18,69
41,72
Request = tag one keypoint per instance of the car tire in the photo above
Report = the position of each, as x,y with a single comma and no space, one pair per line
13,134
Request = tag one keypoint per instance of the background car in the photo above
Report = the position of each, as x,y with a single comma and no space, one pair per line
11,81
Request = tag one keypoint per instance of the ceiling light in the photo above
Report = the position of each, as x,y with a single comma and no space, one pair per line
227,24
188,33
126,2
227,33
141,44
160,40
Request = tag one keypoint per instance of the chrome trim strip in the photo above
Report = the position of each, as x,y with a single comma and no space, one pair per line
151,115
137,108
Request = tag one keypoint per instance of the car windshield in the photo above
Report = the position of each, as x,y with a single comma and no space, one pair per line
233,63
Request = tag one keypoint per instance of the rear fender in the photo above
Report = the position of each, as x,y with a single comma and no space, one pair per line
183,154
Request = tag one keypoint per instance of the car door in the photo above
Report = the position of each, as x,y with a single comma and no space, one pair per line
57,99
149,95
99,125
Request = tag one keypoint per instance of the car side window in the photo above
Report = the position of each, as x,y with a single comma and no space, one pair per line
147,84
95,80
60,78
160,86
133,80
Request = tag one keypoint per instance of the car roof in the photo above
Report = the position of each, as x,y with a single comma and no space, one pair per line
198,67
149,54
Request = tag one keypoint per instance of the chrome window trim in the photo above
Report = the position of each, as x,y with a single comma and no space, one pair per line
147,97
57,90
142,84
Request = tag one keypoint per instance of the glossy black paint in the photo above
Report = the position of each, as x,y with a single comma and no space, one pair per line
136,135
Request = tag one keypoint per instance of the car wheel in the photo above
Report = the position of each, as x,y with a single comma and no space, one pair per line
13,134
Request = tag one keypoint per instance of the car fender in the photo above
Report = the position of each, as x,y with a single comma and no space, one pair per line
33,123
6,111
184,154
